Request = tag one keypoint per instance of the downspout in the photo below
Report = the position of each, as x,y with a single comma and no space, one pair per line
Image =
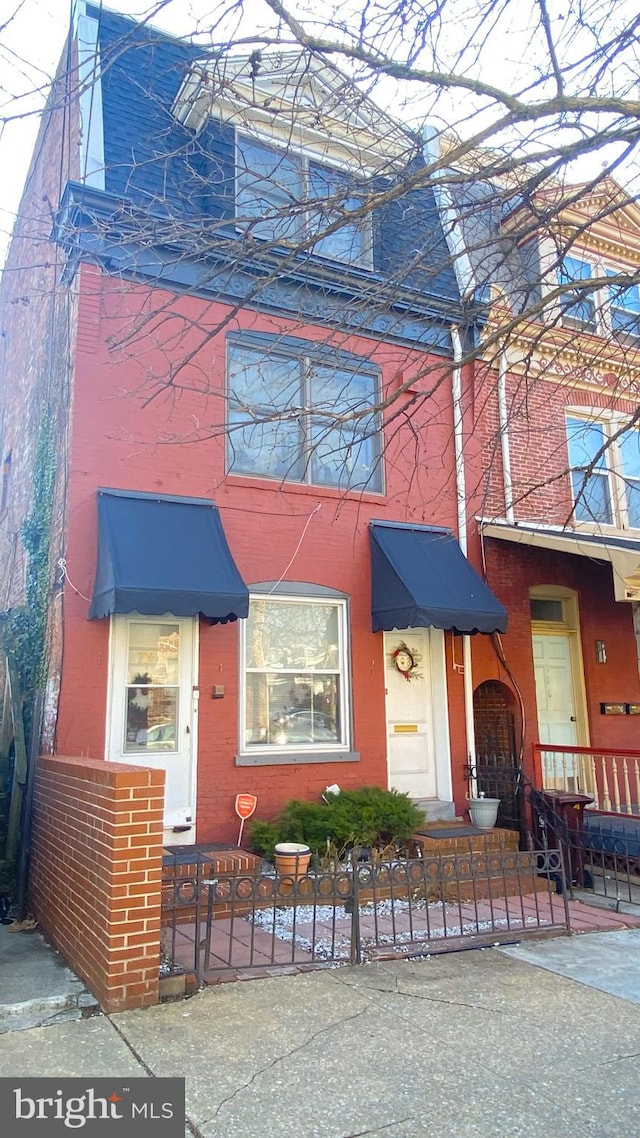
503,419
461,499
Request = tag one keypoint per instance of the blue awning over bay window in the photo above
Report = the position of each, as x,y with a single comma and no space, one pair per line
160,554
420,578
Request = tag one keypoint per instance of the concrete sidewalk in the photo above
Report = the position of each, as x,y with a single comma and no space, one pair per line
36,987
468,1044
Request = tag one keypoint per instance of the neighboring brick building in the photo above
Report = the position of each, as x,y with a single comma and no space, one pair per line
246,591
559,509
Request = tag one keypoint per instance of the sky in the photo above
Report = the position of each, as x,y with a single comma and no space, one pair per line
33,32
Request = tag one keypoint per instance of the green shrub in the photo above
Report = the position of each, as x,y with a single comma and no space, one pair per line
352,819
373,817
308,822
263,837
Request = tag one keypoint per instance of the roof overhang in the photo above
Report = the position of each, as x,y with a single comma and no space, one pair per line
623,554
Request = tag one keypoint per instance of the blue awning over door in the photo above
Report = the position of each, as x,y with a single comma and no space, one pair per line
160,554
420,578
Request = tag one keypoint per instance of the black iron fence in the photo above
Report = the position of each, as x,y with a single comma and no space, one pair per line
216,924
601,850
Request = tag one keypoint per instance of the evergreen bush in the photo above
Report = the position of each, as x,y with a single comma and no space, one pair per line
369,817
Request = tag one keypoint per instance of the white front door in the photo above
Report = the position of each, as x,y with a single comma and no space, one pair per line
557,721
417,723
151,717
555,695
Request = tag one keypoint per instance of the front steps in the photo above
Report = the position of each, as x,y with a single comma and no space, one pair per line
479,864
434,810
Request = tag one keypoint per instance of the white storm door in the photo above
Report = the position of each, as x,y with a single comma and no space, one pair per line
410,724
152,705
557,721
554,690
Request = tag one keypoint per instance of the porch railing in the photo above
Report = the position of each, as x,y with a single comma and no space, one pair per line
610,776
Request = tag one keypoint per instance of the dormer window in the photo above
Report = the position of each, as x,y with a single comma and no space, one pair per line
624,308
291,198
608,309
578,306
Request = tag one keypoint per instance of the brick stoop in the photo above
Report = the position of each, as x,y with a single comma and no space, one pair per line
461,840
469,839
223,859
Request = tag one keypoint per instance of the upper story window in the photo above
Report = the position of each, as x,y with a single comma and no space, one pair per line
578,306
605,472
292,198
608,310
285,407
624,308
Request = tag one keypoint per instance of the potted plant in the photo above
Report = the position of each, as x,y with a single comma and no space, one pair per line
292,859
483,811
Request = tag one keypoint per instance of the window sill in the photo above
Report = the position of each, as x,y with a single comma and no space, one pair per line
606,529
296,758
253,481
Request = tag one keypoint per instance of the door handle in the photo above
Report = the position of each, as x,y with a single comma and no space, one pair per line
573,719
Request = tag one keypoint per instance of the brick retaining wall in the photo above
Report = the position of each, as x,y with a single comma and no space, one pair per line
96,873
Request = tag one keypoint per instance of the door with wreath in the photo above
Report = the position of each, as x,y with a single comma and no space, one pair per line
409,675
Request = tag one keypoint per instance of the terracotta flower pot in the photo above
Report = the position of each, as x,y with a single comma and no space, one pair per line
292,859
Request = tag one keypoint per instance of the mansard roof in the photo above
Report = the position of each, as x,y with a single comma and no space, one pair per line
169,150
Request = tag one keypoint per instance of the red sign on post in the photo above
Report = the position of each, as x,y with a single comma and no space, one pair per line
245,806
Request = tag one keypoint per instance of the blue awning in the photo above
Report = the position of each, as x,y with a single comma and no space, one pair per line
420,578
161,554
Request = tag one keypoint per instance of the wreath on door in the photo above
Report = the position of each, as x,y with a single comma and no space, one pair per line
406,661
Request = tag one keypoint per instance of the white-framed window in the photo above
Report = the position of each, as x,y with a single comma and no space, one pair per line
579,306
604,461
609,309
624,308
288,198
295,677
284,405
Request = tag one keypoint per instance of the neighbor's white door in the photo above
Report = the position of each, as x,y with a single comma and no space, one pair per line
410,727
554,690
557,721
152,709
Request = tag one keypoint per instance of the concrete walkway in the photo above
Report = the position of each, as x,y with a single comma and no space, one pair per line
476,1044
36,987
609,963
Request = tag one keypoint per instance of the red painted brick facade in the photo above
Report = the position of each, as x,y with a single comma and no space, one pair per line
118,442
96,868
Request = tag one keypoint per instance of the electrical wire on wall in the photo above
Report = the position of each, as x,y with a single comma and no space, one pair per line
296,550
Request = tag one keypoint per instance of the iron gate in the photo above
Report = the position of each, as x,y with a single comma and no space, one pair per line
231,923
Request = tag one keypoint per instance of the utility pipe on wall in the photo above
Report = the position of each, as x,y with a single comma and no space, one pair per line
503,419
461,499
